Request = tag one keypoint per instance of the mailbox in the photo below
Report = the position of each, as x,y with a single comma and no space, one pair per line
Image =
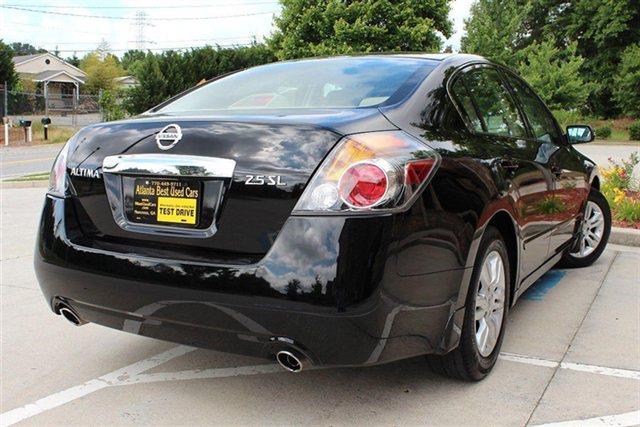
46,121
26,124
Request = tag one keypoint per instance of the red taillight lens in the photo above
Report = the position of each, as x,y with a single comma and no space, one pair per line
372,171
363,185
417,171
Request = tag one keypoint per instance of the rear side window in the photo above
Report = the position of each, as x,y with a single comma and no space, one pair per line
487,104
542,124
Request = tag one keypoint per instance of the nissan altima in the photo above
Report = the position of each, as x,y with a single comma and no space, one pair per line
336,211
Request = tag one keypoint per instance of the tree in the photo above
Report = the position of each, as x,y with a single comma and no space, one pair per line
493,30
73,60
555,74
100,73
324,27
600,29
151,88
627,82
131,59
24,49
603,30
7,71
164,75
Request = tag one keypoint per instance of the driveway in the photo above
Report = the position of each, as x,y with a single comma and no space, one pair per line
571,353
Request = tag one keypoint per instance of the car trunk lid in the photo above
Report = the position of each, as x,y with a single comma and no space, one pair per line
239,212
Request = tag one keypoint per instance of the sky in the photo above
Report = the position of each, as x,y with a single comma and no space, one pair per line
168,24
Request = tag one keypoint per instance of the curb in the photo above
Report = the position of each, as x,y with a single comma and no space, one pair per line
44,183
624,236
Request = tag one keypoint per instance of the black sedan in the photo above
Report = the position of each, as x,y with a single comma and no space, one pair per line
337,211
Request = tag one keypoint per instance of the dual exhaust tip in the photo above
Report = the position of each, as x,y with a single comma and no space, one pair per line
291,360
71,315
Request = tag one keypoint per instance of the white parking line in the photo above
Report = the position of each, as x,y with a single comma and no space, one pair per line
602,370
62,397
592,369
621,420
528,360
134,374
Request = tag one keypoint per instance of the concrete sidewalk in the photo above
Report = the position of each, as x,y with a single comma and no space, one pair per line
571,353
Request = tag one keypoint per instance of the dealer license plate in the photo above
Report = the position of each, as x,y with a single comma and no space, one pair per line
158,201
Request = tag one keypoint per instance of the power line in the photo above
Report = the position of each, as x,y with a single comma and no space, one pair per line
126,18
69,30
160,48
47,6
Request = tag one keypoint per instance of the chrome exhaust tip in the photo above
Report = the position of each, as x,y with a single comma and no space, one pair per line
71,316
290,360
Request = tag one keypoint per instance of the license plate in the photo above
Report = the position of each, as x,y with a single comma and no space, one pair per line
157,201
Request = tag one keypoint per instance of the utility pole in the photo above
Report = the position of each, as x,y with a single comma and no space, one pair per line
141,22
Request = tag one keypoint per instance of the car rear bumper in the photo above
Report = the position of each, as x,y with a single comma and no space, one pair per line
341,304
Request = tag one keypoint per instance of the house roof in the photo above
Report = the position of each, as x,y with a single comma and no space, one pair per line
49,76
130,79
23,58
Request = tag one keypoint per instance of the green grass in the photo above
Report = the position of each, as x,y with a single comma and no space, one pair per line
40,176
57,134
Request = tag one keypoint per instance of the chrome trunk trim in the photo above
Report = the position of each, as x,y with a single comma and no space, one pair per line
169,165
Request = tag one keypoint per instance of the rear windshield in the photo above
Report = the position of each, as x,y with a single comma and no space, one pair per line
319,83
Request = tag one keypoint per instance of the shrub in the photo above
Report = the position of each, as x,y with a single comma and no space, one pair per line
621,190
620,175
110,105
634,131
603,132
627,208
568,117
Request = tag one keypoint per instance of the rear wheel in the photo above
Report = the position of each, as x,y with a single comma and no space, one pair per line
485,314
593,233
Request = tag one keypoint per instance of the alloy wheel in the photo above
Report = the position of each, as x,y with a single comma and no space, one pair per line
592,231
490,301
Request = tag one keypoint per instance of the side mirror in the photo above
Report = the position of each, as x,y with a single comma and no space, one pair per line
580,134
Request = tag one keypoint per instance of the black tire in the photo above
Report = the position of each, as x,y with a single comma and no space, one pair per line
570,261
465,362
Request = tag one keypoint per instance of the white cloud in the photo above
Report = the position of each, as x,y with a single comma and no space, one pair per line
460,10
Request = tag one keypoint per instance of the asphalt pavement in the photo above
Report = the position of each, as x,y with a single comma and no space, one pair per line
571,354
23,160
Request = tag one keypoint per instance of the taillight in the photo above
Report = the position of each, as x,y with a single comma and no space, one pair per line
58,183
367,184
370,171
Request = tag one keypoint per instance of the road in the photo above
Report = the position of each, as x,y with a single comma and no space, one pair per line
571,352
17,161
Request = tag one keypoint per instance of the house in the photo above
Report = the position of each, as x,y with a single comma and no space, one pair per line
126,82
60,80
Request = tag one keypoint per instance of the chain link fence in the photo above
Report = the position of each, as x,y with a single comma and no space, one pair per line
68,109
